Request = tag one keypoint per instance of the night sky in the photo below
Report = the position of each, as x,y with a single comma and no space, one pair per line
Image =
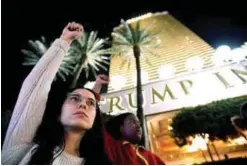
217,24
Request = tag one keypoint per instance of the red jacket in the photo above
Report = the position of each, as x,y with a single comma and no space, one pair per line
125,153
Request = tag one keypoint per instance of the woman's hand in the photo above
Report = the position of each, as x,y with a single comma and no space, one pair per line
72,32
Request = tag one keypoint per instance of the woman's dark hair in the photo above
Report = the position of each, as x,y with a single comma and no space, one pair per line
50,135
114,124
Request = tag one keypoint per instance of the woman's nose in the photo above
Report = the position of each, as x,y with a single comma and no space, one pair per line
82,104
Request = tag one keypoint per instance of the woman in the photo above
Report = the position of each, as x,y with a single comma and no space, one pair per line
71,134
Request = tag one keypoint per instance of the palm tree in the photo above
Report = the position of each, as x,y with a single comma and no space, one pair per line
38,48
91,53
141,42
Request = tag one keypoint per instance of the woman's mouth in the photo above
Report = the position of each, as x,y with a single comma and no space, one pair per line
80,114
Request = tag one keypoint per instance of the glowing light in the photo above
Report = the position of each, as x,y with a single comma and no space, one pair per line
222,55
223,50
238,54
158,41
117,82
194,63
198,143
238,141
128,55
170,128
166,71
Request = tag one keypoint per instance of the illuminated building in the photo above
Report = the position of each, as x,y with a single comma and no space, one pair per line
187,72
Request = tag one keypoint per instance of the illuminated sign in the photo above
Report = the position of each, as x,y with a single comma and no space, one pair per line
187,90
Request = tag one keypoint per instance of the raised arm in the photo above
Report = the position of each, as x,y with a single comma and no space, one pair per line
100,80
31,102
110,144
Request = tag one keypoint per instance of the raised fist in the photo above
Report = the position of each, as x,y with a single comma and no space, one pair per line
102,79
71,32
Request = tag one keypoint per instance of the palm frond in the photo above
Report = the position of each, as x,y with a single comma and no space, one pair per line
105,61
123,63
147,61
128,31
91,40
146,31
29,63
127,36
43,40
137,33
120,38
82,42
89,84
29,53
147,52
38,49
90,49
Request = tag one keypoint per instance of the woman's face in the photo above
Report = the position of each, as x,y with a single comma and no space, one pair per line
79,110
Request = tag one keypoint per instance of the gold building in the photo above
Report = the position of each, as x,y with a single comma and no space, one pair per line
183,74
177,44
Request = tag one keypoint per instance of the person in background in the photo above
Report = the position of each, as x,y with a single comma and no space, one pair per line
122,135
71,134
240,122
243,111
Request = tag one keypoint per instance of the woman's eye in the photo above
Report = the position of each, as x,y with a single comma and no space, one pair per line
90,103
74,98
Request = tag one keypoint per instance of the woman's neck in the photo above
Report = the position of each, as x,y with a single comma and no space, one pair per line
72,141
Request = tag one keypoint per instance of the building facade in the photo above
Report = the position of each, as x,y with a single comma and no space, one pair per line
185,71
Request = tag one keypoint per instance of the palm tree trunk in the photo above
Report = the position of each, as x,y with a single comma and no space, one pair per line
216,151
76,76
203,155
209,152
140,113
